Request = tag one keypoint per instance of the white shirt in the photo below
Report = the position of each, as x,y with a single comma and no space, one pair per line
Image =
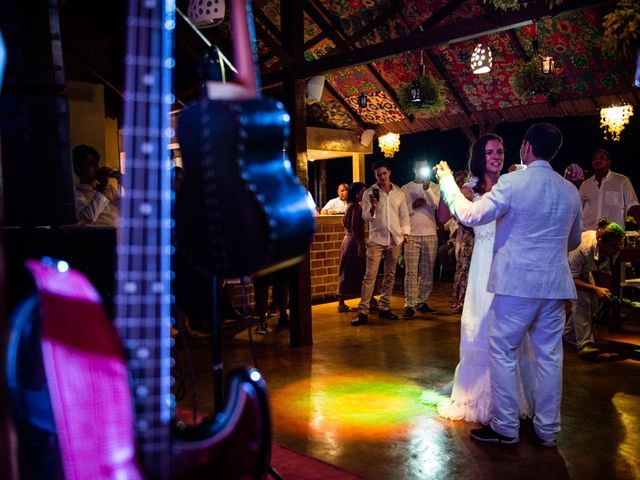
390,220
585,259
335,204
97,209
613,199
423,219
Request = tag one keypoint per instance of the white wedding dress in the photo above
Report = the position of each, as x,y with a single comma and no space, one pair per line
470,398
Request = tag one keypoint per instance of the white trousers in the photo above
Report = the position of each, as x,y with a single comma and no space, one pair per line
509,319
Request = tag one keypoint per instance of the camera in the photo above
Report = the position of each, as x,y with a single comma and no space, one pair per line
376,193
424,172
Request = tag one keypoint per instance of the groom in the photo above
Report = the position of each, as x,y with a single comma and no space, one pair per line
538,221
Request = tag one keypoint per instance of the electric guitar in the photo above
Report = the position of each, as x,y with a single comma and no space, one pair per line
241,210
237,442
82,412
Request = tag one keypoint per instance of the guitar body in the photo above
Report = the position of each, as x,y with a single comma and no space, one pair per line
241,209
235,444
33,415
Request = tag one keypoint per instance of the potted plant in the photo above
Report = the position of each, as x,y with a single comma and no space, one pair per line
621,37
529,80
432,97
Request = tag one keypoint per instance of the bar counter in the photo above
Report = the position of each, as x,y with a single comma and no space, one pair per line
325,257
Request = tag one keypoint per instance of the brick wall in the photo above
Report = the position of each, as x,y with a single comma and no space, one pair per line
325,257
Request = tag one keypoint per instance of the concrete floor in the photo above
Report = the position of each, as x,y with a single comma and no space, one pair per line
352,399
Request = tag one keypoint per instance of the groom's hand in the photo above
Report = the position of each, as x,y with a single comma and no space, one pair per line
442,170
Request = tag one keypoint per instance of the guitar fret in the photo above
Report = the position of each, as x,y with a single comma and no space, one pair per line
146,131
140,61
145,97
145,249
149,23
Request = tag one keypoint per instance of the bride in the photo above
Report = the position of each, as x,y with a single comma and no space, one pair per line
470,397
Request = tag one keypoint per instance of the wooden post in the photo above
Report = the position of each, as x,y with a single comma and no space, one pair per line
357,167
295,90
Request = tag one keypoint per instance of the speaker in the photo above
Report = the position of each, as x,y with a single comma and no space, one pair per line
206,13
34,118
367,137
315,87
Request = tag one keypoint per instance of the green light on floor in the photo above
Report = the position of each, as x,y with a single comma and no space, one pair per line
353,405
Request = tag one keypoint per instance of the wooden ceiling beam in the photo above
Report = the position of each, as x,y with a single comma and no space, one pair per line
356,117
328,22
452,89
441,14
388,89
328,25
462,30
274,45
375,23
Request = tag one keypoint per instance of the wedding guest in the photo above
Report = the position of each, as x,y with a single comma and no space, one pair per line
384,208
463,247
352,250
607,194
596,253
339,204
420,249
97,202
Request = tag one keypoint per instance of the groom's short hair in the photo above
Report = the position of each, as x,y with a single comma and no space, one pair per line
545,140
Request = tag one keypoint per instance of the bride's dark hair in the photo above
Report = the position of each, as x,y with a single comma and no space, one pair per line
477,159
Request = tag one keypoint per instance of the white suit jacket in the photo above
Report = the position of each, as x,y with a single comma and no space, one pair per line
538,221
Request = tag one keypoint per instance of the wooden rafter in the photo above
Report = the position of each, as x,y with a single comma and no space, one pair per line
429,38
356,117
445,77
330,24
431,22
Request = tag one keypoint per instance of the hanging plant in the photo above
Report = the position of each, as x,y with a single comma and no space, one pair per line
529,81
432,99
516,4
621,36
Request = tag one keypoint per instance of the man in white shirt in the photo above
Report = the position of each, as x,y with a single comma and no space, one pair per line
421,247
339,204
97,202
607,194
384,208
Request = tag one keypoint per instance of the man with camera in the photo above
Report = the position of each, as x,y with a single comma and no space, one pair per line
384,208
97,202
420,249
596,254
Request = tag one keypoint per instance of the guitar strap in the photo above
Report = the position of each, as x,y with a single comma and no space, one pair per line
87,378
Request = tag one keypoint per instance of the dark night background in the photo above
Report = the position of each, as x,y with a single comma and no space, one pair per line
582,135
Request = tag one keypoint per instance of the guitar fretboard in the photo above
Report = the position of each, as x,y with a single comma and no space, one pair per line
143,297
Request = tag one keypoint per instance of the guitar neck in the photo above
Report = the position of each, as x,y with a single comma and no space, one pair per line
245,56
143,276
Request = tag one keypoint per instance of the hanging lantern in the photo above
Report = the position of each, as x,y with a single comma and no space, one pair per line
481,59
613,120
389,144
362,100
548,65
415,93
